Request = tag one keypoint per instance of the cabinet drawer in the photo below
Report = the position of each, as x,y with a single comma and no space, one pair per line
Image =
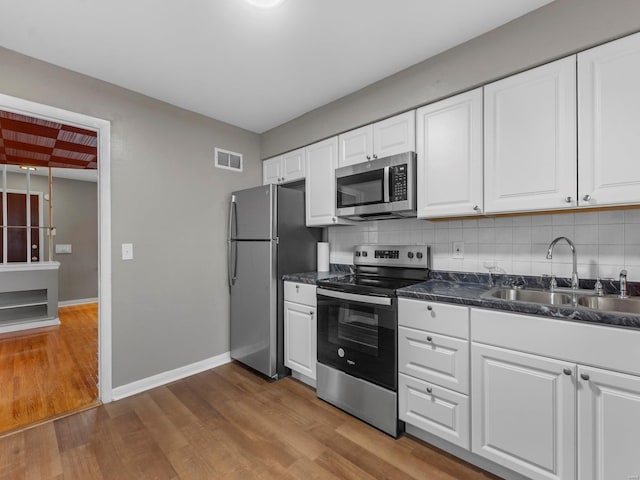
434,317
435,358
434,409
300,293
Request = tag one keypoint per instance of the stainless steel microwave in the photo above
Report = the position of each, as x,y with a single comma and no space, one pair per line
379,189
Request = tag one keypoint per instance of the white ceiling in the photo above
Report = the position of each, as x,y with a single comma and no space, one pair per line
231,61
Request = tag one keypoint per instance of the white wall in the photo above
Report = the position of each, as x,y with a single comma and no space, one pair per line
606,242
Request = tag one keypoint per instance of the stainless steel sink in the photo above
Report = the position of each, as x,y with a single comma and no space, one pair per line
545,297
610,304
578,299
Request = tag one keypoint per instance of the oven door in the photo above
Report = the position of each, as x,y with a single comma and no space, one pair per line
357,334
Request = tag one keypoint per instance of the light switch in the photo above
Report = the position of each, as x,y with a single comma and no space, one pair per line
63,248
127,251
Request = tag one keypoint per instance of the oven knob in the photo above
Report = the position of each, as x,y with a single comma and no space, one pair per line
419,254
364,254
340,352
410,254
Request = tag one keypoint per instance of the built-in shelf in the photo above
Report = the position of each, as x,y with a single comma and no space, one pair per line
28,295
25,298
23,313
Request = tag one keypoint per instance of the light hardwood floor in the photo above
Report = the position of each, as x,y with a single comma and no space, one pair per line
49,371
226,423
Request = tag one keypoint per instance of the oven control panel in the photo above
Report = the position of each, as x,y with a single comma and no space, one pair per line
413,256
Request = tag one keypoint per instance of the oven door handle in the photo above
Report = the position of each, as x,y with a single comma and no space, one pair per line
386,185
354,297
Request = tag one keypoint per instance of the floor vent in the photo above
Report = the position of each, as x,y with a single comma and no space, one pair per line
228,160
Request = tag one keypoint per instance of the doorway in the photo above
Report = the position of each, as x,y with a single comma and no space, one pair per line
103,307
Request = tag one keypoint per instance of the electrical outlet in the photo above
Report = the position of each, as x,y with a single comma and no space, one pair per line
458,250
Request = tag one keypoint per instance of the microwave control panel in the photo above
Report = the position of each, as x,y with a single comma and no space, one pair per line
399,183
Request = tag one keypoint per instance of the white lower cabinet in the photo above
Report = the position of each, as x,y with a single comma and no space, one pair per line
433,364
609,425
434,409
546,402
300,328
524,412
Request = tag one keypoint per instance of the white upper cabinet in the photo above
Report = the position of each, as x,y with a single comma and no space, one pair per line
356,146
284,168
449,147
320,184
395,135
272,170
293,165
530,160
382,139
609,123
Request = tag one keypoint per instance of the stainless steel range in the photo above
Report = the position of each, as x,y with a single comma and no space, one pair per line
357,332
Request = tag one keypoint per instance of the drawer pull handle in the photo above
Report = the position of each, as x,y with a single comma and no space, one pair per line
429,339
429,307
567,371
584,376
429,389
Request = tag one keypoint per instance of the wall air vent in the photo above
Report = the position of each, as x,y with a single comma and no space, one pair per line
228,160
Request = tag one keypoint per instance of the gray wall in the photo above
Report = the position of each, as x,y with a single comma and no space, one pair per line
75,214
553,31
170,304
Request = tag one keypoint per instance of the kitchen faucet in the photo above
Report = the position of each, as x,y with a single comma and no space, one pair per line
623,284
574,275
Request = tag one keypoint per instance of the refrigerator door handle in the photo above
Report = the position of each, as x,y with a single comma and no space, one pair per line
231,258
232,218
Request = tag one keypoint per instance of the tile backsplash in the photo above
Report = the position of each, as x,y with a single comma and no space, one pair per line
606,242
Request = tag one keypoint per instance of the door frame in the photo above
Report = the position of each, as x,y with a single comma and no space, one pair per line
103,128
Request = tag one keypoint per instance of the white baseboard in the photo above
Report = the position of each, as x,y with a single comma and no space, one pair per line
17,327
171,376
79,301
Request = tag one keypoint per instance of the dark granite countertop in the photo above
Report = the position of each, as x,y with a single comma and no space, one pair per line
335,271
467,289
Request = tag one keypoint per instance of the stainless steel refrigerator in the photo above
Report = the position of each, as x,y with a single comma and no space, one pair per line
267,238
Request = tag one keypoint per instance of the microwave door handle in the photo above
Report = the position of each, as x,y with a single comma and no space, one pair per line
386,185
354,297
